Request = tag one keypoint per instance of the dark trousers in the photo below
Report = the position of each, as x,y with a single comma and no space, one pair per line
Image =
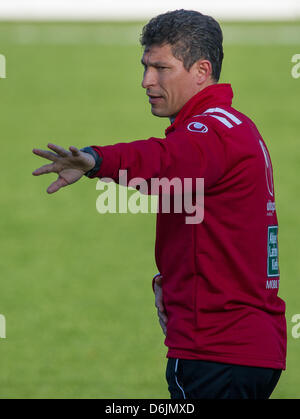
195,379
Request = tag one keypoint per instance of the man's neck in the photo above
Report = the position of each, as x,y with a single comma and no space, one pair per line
209,82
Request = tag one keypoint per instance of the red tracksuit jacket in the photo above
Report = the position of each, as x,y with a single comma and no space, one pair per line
221,276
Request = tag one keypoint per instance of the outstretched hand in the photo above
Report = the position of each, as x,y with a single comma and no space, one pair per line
69,165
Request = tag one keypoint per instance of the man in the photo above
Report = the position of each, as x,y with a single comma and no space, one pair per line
216,293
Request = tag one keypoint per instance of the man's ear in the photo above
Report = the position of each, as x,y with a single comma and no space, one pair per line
202,70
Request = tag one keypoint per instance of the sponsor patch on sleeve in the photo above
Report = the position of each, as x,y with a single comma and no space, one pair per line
197,127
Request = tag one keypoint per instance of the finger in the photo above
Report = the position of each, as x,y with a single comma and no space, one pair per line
55,186
162,317
74,151
45,154
159,298
48,168
159,305
58,149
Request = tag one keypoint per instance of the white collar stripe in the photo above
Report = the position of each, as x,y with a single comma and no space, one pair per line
228,114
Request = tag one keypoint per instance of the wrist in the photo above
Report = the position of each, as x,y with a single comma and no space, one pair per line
97,161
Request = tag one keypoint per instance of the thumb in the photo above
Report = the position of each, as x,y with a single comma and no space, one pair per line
55,186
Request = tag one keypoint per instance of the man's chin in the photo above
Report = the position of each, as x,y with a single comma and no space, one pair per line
159,112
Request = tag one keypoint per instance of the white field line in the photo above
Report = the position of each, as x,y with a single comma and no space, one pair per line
141,10
70,34
105,34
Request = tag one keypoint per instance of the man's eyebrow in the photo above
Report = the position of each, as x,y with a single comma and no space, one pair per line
154,64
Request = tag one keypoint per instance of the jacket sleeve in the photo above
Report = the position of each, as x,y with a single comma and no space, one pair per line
182,154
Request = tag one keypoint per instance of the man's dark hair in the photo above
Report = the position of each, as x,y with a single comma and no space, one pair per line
192,36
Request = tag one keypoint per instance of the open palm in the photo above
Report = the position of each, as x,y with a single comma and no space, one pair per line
69,165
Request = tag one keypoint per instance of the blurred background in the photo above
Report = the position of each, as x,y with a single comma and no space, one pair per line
76,285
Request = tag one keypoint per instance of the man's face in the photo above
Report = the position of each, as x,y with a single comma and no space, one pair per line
168,84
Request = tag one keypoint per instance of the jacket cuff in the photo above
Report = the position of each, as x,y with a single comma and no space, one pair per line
98,161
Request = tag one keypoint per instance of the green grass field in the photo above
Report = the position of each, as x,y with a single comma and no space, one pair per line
76,285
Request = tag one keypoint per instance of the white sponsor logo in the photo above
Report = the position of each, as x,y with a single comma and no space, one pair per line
197,127
272,284
271,208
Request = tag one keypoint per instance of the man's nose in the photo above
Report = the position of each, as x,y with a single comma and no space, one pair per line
149,78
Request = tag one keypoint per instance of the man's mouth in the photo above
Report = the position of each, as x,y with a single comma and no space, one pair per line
154,99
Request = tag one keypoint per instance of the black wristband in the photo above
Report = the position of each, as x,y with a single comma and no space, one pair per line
98,161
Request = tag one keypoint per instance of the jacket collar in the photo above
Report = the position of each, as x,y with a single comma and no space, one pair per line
212,96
